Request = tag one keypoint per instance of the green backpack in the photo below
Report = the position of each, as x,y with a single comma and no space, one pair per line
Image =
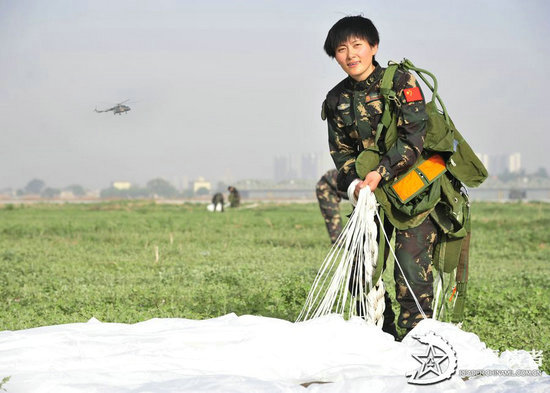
442,138
437,193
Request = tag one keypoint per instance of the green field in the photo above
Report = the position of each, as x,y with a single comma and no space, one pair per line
68,263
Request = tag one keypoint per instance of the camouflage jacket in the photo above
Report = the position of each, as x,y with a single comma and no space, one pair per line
234,196
331,179
354,109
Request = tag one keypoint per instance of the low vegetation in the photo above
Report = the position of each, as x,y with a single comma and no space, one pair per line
131,261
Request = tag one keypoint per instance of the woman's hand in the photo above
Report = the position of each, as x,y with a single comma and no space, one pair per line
371,180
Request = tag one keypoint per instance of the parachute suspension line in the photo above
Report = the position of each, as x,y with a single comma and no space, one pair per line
400,268
343,284
438,294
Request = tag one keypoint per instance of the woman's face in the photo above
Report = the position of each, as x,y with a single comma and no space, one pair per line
355,57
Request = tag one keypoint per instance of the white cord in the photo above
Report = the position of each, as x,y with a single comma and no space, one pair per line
350,262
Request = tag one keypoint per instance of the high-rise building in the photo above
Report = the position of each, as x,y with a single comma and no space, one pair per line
484,158
280,164
498,164
501,163
514,163
309,166
285,167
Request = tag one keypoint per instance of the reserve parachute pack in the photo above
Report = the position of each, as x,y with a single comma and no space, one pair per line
433,186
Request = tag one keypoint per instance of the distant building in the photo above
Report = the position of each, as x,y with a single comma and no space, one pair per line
66,195
7,192
200,183
514,163
121,185
93,193
308,166
501,163
280,166
484,158
285,167
498,164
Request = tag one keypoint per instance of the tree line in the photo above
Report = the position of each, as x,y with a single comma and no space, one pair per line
154,188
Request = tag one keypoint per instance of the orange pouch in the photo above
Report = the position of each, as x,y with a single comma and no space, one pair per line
417,179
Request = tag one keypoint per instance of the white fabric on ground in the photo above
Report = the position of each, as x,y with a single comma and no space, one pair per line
241,354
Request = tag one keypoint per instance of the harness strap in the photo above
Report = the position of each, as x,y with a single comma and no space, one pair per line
386,89
408,65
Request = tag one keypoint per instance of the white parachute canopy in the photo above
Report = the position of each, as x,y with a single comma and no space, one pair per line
244,354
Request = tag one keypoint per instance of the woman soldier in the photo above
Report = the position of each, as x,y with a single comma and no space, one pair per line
353,110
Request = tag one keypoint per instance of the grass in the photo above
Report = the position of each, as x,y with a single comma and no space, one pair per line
68,263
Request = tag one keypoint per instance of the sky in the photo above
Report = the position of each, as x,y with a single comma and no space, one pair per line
220,88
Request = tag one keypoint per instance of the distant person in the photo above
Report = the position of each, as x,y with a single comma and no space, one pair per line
234,197
329,202
217,201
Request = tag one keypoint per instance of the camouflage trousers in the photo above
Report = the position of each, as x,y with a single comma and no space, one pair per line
414,249
329,203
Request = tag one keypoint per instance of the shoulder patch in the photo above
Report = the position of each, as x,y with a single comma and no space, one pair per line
413,94
323,110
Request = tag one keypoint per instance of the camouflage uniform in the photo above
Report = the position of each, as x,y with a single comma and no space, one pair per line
234,197
414,250
329,202
353,110
217,199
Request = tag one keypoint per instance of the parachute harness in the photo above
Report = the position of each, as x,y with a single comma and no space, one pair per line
344,283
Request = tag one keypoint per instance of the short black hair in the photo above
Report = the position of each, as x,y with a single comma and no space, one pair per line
347,27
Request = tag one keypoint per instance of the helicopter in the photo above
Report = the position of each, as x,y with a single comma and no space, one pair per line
118,109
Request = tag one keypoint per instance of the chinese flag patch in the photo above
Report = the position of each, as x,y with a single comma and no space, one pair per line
413,94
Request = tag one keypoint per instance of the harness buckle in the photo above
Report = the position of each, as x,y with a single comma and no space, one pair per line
393,97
